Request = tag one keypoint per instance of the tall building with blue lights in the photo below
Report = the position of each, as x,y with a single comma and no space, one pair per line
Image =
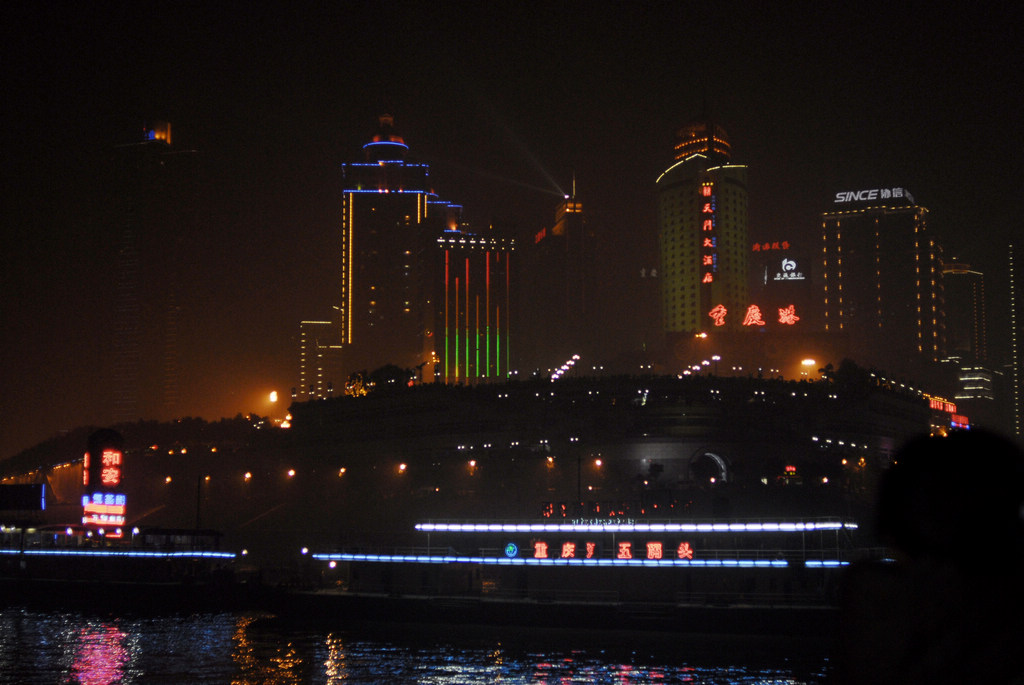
381,316
702,217
418,289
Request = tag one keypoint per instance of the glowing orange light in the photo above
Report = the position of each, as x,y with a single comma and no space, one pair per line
708,278
625,550
540,550
654,550
684,551
568,550
718,314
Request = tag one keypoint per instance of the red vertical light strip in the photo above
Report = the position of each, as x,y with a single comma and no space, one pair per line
447,294
467,318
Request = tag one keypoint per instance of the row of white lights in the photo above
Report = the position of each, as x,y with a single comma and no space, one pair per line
632,527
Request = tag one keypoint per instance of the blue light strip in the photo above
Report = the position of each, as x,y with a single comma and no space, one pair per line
633,527
530,561
118,553
828,563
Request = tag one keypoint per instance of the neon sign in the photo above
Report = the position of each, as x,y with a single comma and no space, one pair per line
765,247
708,239
110,473
942,405
754,316
788,271
103,508
873,194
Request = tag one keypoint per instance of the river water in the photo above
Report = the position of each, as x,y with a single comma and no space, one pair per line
47,647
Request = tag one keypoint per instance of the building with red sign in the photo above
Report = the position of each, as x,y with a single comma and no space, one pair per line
702,207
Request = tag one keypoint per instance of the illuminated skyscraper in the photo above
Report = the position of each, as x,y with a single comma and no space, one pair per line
703,243
382,315
883,281
419,290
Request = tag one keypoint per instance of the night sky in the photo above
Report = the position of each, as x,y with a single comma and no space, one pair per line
506,101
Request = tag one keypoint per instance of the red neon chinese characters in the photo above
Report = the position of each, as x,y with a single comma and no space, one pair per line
684,551
718,314
708,242
568,550
625,550
753,316
654,550
111,472
708,278
708,260
707,209
705,191
85,469
540,550
788,315
707,225
591,547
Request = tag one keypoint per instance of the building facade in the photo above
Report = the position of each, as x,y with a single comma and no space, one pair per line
471,329
155,200
703,235
882,273
558,290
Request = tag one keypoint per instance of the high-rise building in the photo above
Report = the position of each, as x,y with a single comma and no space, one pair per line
317,351
472,301
557,287
966,331
383,300
1016,324
702,207
419,290
966,336
155,197
882,272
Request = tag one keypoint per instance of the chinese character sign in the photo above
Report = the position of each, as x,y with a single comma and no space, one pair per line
103,464
708,239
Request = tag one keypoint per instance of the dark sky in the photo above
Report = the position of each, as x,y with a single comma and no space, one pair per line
504,100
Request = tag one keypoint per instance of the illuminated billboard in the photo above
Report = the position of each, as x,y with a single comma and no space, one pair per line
103,499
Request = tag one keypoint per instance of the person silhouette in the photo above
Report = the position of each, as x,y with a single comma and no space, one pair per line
947,604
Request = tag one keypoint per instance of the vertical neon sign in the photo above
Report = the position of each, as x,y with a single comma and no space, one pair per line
708,234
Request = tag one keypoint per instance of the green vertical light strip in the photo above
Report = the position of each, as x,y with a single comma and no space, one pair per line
446,331
477,327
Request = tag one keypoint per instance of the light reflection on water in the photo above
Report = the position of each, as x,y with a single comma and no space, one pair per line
39,647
